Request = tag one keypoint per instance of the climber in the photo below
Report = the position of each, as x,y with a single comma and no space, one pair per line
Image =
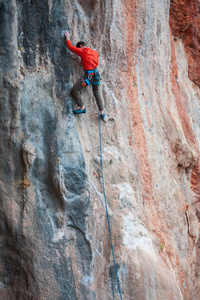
90,61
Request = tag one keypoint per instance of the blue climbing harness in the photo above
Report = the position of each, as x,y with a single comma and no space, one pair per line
91,76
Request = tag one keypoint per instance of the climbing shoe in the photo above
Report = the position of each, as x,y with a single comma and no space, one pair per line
79,111
104,117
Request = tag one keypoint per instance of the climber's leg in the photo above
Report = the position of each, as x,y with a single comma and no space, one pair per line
97,95
75,92
96,92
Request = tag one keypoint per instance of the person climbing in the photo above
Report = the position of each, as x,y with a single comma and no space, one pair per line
90,61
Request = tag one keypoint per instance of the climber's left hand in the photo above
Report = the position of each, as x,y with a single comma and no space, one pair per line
67,35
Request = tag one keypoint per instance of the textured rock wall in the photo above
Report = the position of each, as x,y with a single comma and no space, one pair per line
53,229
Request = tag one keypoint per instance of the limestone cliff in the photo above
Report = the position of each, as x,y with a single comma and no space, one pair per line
55,243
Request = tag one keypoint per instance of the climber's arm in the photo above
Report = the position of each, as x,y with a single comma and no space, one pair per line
72,48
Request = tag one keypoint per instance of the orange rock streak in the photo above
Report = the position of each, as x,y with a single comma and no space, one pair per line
185,24
132,97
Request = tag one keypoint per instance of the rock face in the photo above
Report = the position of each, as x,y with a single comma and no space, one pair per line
54,236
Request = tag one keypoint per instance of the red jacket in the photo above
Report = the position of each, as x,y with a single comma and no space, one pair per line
89,57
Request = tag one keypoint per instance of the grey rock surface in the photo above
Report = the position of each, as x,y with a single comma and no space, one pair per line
54,237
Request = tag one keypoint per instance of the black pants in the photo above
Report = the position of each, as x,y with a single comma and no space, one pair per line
75,92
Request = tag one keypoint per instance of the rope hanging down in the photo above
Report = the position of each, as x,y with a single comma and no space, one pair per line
107,210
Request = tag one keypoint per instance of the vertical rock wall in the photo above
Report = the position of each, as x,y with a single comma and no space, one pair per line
53,229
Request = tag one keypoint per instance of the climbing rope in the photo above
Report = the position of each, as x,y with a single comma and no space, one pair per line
107,210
